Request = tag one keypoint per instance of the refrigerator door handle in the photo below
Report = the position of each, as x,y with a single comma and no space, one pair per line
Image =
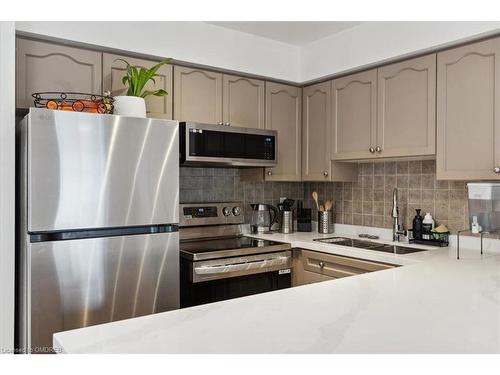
79,234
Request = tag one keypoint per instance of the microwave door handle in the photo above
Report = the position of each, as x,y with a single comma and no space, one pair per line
228,268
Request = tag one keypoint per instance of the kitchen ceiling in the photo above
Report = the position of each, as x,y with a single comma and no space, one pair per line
296,33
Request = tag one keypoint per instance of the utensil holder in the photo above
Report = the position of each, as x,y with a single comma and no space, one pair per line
325,222
286,225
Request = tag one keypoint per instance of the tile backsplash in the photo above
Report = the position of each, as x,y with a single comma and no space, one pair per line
223,184
368,201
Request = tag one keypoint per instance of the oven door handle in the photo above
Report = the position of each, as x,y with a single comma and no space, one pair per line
228,268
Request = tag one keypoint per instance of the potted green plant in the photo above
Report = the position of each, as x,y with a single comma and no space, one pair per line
136,78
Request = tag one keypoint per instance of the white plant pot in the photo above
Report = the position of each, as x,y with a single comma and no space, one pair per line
129,106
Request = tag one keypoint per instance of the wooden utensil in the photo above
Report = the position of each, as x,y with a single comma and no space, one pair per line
315,198
328,204
321,208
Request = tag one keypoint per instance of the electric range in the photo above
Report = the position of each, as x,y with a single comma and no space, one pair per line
219,262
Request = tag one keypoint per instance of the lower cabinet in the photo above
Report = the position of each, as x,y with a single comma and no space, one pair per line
314,266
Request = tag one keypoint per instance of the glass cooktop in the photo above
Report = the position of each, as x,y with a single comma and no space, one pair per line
228,247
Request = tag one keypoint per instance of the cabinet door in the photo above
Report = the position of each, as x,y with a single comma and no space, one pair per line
42,66
406,116
354,116
468,112
314,266
301,276
197,95
156,106
316,124
283,113
243,101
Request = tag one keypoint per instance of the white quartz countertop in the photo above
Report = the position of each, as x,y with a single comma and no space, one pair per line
306,240
433,304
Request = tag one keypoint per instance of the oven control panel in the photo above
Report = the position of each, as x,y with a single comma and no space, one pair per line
193,214
197,212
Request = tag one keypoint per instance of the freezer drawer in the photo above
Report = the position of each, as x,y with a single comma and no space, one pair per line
77,283
99,171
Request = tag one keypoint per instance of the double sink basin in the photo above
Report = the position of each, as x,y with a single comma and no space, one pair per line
369,245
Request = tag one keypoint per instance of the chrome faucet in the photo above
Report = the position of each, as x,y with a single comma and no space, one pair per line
397,228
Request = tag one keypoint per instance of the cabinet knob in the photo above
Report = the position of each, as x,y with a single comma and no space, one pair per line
269,173
325,173
220,123
378,149
371,149
496,169
227,124
321,264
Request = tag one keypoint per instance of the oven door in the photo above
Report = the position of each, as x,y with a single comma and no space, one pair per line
204,144
221,279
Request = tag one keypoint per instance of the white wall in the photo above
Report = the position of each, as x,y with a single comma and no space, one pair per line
7,175
202,43
373,42
195,42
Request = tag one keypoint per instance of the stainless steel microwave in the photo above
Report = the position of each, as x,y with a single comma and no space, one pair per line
219,145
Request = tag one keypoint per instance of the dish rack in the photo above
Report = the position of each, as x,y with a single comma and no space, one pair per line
74,101
439,240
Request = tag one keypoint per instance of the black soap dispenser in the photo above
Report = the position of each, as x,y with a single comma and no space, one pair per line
417,225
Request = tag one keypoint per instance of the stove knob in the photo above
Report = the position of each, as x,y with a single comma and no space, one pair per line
236,211
226,211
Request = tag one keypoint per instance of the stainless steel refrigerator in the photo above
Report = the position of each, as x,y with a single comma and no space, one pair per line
98,219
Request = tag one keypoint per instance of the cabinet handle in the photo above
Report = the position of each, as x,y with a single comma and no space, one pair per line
220,123
269,173
227,124
378,149
325,173
496,169
371,149
321,264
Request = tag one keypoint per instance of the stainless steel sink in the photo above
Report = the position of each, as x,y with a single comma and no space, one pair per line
369,245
